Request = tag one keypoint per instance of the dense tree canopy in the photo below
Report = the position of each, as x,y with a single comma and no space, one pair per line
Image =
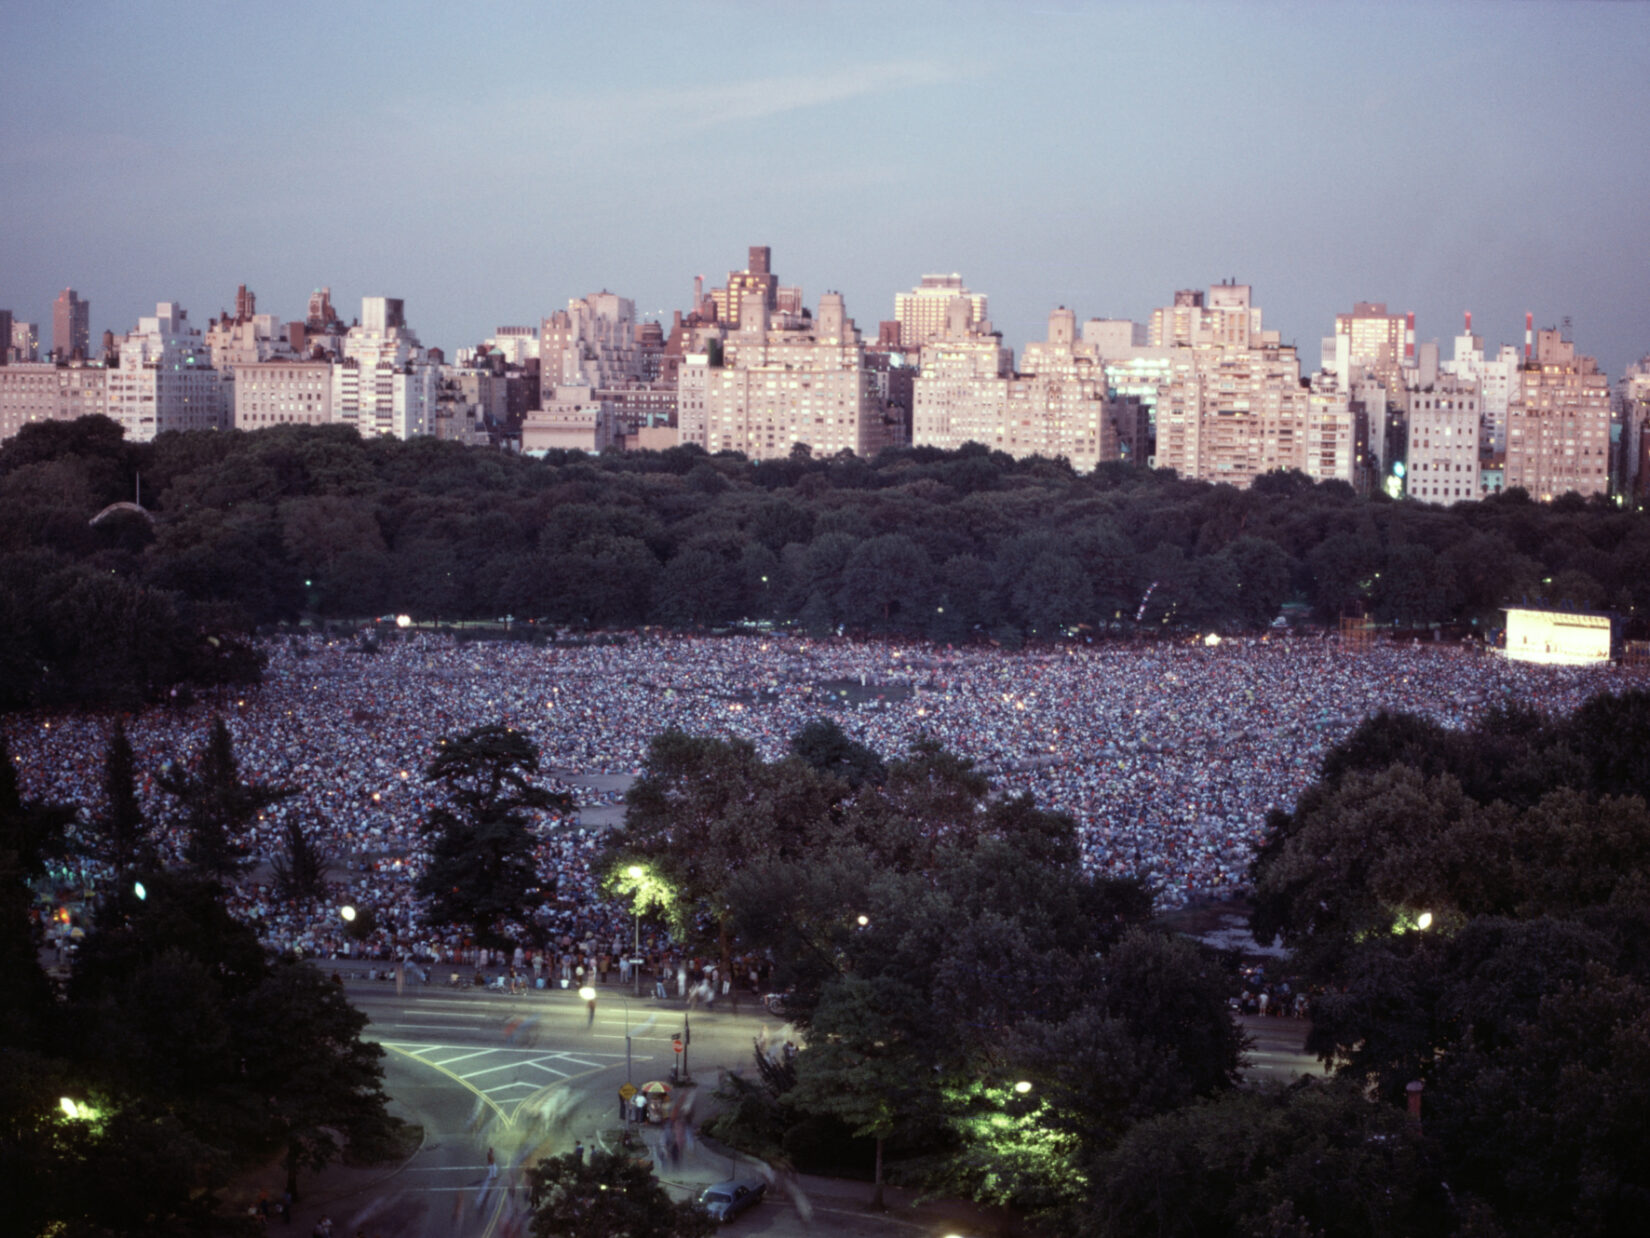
939,945
1476,907
245,528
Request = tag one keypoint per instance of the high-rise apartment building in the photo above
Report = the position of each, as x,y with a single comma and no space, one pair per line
924,313
600,376
1371,342
1223,319
1497,378
1635,429
163,379
773,388
1445,420
71,327
961,392
385,382
25,341
321,315
1333,442
287,392
1115,337
1231,414
43,391
1056,406
248,336
757,278
1558,423
1232,405
5,337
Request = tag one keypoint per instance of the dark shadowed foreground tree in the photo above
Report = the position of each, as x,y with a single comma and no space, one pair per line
481,870
939,945
31,832
216,805
608,1196
1475,908
175,1002
300,870
123,834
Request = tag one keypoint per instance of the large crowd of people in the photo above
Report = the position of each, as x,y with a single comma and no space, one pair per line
1167,755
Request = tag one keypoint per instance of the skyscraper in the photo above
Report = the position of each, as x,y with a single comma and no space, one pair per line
71,326
924,313
1558,423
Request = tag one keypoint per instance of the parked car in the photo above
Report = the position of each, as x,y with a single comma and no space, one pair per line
726,1200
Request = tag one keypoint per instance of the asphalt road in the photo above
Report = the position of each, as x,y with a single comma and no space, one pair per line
524,1077
529,1076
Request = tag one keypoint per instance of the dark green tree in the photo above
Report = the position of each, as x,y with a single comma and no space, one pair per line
300,871
705,809
481,870
824,746
31,832
608,1196
216,806
122,833
867,1063
301,1042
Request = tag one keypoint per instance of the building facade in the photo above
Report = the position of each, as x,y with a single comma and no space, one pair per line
924,313
289,392
1445,423
1558,423
772,389
162,379
71,327
41,391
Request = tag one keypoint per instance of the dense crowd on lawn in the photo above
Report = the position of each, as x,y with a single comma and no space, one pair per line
1167,755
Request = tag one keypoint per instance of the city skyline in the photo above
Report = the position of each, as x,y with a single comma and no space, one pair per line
487,168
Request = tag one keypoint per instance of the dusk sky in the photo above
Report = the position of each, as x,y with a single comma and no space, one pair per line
488,162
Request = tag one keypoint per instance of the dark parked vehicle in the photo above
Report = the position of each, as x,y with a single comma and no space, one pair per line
726,1200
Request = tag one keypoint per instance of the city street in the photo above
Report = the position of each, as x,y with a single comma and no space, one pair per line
530,1076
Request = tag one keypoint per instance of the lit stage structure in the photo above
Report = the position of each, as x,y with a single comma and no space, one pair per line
1558,638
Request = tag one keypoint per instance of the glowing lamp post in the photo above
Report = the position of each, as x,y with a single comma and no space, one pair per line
634,872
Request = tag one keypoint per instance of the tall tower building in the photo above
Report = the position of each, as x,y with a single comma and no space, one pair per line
25,341
5,337
1558,423
757,278
1445,420
1497,378
924,313
766,388
1370,341
71,326
1232,406
1634,465
164,379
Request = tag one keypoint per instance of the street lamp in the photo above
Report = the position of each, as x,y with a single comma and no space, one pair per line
634,872
589,996
347,913
1023,1086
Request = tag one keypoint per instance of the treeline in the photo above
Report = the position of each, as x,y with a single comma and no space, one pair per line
254,528
176,1054
982,1016
1469,909
1476,909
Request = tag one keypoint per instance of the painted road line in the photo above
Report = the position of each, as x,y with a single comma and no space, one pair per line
462,1057
491,1070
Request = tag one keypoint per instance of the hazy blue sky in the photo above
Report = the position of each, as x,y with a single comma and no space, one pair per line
487,162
